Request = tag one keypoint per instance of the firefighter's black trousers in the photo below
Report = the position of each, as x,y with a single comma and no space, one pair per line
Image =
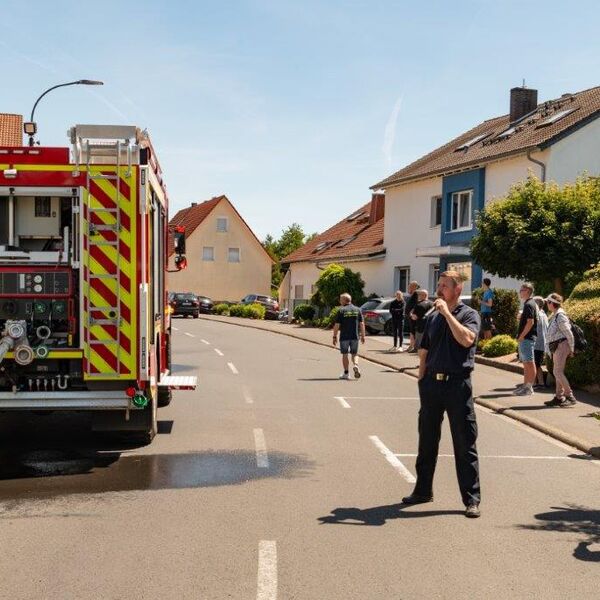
455,397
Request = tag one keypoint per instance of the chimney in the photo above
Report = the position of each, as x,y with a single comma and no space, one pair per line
522,101
194,204
377,207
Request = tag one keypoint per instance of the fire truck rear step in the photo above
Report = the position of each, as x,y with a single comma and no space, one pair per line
179,382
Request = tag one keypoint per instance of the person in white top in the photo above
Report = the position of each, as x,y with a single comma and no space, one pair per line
561,345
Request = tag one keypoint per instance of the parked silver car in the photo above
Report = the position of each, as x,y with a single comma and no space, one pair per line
377,316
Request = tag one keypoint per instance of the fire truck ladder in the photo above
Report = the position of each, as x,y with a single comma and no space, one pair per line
111,153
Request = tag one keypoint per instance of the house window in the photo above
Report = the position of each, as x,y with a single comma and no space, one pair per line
460,211
42,206
401,278
234,255
436,211
434,276
208,253
222,224
299,292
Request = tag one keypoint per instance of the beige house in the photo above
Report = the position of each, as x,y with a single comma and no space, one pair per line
226,261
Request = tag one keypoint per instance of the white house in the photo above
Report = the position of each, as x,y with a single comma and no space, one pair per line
431,203
356,242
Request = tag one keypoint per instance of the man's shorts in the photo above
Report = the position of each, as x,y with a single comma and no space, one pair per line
349,346
526,350
487,323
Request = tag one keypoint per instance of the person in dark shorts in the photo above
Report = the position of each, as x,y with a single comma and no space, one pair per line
487,302
526,338
424,305
446,359
397,311
350,325
413,286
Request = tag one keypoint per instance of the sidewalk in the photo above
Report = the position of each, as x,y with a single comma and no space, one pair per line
492,387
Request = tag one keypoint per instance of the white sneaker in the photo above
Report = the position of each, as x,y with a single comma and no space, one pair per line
356,372
526,390
399,349
344,376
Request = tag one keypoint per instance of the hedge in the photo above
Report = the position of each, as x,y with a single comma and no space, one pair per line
221,309
499,345
304,312
505,310
583,307
248,311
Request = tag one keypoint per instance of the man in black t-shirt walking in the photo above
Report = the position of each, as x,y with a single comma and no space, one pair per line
349,323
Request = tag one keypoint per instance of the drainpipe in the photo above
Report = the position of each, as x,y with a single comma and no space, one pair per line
540,164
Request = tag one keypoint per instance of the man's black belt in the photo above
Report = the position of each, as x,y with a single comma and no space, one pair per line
448,376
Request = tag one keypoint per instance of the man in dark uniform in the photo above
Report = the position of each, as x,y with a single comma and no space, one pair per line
397,312
447,356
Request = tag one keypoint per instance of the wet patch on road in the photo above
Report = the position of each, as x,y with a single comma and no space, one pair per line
44,474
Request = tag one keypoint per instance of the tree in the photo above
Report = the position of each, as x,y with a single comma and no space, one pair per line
291,239
336,280
541,232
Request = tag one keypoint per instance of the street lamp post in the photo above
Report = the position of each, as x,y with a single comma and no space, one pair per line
30,128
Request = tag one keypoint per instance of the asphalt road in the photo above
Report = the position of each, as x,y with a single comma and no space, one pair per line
276,480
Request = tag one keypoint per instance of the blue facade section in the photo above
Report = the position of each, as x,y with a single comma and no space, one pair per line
468,181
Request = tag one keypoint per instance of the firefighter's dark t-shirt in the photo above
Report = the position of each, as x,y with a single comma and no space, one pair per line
349,317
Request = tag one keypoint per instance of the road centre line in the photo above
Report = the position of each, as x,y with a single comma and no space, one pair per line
205,342
342,401
267,570
174,328
232,367
188,334
262,459
393,459
219,352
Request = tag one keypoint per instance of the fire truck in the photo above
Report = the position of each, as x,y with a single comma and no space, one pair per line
84,317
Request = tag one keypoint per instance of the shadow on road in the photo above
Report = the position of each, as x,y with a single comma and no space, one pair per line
379,515
577,520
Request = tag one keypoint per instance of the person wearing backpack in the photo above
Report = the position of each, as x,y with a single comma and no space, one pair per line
561,344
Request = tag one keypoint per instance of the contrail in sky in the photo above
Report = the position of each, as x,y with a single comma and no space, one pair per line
389,136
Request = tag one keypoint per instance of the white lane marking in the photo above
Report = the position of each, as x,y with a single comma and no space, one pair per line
247,396
393,459
262,459
232,367
174,328
500,456
219,352
381,398
267,570
343,402
205,342
188,334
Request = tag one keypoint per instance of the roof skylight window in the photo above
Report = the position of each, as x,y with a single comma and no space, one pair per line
472,142
506,133
321,246
355,215
346,241
557,116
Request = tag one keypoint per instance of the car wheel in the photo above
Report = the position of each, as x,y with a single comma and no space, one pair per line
196,315
371,331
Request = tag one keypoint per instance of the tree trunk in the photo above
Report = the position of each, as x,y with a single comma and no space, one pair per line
559,285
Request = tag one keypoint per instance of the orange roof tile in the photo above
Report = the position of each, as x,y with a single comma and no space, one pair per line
351,237
11,130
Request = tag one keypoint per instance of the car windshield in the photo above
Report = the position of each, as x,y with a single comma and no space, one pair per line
264,299
370,304
185,296
385,305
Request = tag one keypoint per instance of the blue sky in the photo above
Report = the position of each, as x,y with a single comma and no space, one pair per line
292,109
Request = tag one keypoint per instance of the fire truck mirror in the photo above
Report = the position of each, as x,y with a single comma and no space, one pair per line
179,241
180,262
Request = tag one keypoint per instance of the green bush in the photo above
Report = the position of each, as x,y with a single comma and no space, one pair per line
583,307
505,310
336,280
500,345
329,320
254,311
237,310
481,343
304,312
221,309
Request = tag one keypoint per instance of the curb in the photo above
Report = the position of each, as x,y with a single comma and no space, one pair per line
490,362
553,432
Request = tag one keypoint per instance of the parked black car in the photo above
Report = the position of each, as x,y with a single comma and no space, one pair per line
184,304
271,305
206,305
